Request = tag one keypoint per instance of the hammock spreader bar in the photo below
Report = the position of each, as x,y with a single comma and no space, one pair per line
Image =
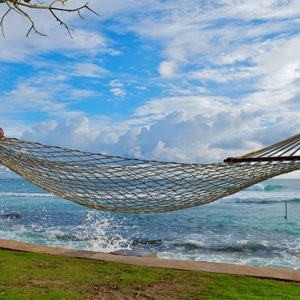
118,184
285,150
261,159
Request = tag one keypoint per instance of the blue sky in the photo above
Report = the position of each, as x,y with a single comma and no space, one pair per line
191,81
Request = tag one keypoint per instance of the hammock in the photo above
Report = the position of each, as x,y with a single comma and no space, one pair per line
119,184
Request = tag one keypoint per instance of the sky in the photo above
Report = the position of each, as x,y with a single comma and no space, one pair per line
174,80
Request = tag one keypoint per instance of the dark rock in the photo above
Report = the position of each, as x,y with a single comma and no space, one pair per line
135,252
10,216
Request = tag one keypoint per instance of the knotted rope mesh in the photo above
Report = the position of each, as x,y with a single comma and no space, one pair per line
118,184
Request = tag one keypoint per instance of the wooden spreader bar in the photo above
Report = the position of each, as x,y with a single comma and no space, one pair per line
260,159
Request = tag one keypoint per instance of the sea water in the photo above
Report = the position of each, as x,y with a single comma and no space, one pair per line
246,228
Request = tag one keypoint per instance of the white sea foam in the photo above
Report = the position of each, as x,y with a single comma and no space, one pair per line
31,195
229,249
91,235
257,187
285,261
96,227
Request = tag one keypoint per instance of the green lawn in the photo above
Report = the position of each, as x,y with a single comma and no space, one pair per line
37,276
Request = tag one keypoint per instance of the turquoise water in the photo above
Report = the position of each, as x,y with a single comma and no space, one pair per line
245,228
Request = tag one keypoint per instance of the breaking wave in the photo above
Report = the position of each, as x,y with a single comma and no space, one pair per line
31,195
92,234
267,187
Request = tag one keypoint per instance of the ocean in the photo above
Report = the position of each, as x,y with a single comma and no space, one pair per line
246,228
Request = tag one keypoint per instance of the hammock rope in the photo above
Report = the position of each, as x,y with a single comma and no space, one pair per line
118,184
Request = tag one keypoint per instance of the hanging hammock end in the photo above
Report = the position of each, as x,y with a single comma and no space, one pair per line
1,133
229,160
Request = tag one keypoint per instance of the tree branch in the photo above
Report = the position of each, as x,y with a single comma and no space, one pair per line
18,6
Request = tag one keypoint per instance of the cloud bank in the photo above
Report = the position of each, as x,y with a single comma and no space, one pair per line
189,81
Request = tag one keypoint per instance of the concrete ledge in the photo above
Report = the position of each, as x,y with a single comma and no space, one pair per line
260,272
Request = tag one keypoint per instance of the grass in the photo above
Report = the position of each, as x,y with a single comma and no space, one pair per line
37,276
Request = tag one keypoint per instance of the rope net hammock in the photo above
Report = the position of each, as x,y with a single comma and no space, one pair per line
119,184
